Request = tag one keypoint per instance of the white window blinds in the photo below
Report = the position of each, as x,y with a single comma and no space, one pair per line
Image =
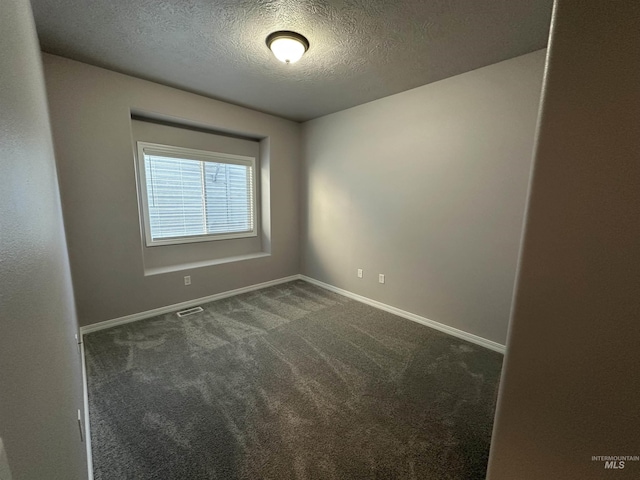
194,195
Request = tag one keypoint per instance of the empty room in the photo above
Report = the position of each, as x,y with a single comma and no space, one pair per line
319,240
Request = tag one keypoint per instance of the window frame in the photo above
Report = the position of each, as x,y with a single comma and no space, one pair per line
184,153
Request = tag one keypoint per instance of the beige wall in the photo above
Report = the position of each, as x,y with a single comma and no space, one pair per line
571,387
90,113
428,187
40,389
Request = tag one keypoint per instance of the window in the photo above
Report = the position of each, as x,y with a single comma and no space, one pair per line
191,195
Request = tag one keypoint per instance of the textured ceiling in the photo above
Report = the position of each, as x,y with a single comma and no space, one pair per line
360,50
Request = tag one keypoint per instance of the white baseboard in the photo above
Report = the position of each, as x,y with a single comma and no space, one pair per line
180,306
469,337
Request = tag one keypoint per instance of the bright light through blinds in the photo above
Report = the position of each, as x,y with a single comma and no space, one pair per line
191,198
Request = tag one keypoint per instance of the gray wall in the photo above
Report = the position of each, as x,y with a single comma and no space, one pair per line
90,113
40,389
571,386
428,187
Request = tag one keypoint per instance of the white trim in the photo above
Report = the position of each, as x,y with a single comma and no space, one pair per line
146,148
191,153
180,306
203,263
469,337
87,426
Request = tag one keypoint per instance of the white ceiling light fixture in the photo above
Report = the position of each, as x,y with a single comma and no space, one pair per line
288,47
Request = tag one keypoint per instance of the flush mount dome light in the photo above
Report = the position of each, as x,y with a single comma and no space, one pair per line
288,47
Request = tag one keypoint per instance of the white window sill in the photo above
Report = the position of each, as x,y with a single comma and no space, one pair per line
206,263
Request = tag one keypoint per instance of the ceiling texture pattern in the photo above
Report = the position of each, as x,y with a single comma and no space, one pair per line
361,50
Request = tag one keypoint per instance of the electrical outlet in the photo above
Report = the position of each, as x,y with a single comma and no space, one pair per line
359,273
187,279
381,278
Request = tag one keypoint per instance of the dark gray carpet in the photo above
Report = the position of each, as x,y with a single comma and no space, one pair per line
290,382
